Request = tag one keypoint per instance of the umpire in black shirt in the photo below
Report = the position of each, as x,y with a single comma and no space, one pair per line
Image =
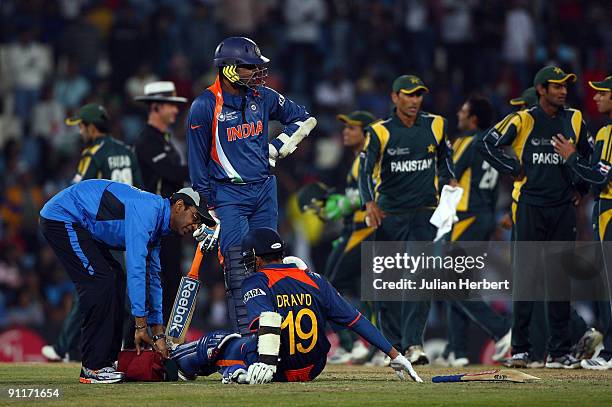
163,173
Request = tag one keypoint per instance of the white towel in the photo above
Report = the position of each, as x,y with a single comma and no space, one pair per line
446,213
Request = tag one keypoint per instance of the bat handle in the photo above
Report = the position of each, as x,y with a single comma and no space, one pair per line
447,379
194,271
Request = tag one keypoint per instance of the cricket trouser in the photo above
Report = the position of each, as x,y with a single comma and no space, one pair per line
100,284
342,269
535,223
170,262
403,322
602,228
240,208
472,227
70,334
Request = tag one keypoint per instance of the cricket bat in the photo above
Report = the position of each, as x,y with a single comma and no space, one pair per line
488,376
184,303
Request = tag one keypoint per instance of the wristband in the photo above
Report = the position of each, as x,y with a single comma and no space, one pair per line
158,337
140,327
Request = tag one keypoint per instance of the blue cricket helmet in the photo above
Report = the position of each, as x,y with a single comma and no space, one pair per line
238,51
260,242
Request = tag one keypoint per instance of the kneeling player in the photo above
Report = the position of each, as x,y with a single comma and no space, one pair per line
288,307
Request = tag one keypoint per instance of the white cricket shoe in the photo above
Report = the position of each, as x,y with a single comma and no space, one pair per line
51,355
457,362
339,357
596,364
379,359
360,353
502,347
416,355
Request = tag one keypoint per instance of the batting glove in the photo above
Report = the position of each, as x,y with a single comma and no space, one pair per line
272,155
260,373
207,236
237,376
401,364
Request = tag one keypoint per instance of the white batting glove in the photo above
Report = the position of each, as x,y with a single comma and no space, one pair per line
207,236
260,373
238,376
272,155
401,364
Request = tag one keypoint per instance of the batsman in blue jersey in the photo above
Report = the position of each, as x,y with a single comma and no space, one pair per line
82,224
229,153
288,308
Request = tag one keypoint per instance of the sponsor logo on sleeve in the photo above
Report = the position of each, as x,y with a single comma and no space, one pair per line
255,292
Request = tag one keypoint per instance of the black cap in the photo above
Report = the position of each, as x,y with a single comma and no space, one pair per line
264,241
190,197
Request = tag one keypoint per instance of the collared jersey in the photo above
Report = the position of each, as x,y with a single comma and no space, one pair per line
122,218
162,169
475,175
109,158
400,164
306,301
547,181
596,171
227,135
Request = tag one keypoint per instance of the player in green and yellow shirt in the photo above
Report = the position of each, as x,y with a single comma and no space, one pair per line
597,172
544,198
403,157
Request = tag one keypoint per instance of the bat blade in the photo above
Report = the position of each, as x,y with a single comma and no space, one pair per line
496,375
184,303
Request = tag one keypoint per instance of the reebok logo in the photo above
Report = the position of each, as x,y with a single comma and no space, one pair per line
182,307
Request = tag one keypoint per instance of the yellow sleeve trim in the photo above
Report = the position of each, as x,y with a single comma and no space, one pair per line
459,147
523,122
576,123
437,126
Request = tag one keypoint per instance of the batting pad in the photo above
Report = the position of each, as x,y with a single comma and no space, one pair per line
268,345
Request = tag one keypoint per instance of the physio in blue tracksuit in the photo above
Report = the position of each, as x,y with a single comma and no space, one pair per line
229,153
82,224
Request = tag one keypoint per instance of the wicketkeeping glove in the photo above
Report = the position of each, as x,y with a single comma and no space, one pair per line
401,364
207,236
260,373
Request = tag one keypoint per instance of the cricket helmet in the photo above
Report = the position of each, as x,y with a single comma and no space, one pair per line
234,52
260,242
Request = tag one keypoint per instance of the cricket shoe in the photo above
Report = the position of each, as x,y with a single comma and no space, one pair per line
562,362
457,362
502,347
536,364
586,346
339,357
518,360
51,355
379,359
597,363
441,361
360,353
416,355
106,375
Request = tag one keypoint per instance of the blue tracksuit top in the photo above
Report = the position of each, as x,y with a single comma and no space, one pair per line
122,218
227,135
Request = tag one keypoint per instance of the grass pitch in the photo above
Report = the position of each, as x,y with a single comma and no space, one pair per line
337,386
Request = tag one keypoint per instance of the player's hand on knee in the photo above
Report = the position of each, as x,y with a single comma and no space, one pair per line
237,376
400,364
260,373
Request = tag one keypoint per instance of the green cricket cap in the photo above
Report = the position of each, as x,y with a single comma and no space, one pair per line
357,118
529,97
90,113
408,84
552,74
605,85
